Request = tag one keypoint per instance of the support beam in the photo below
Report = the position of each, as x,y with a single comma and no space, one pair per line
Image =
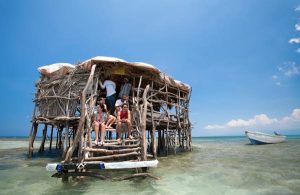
143,125
105,151
114,156
42,146
51,137
32,138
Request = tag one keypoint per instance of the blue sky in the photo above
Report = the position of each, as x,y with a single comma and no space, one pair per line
241,57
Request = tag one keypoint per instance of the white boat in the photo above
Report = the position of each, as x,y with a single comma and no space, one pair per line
263,138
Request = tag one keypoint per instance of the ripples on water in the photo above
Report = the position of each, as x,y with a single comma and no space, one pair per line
216,166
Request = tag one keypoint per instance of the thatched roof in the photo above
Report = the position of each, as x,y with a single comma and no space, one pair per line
63,68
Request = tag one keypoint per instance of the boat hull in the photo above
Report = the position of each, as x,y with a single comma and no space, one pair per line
257,138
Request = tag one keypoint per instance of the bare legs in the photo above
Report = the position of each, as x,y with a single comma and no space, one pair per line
102,133
119,125
96,127
111,119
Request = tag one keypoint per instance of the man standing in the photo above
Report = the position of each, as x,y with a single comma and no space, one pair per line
125,88
110,94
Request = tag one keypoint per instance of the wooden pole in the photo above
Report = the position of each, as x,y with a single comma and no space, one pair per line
113,156
32,138
66,138
51,137
42,146
153,137
106,151
143,125
159,142
31,132
57,135
60,136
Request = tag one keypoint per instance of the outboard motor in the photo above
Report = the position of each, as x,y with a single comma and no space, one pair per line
276,133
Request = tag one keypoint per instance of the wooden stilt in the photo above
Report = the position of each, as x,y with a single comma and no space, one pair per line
143,125
51,137
153,137
66,139
57,135
159,142
60,137
32,138
42,146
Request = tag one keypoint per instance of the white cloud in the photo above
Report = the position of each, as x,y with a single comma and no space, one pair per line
297,8
289,69
294,40
259,120
296,114
214,127
297,27
276,79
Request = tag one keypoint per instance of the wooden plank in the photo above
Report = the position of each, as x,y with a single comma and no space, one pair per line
105,151
114,156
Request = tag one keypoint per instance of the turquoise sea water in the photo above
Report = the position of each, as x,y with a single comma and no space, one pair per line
217,165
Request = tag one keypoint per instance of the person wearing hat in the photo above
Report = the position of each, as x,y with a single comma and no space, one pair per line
119,103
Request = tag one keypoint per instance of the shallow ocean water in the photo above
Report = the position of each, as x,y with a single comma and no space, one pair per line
217,165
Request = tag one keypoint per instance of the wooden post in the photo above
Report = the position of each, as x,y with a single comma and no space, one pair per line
42,146
158,141
57,135
32,138
143,125
60,136
153,140
153,137
66,139
51,137
32,132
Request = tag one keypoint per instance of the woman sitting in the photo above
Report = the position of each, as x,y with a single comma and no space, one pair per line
101,120
124,118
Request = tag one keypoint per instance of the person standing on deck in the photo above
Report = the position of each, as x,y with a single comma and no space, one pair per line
110,94
125,88
124,118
